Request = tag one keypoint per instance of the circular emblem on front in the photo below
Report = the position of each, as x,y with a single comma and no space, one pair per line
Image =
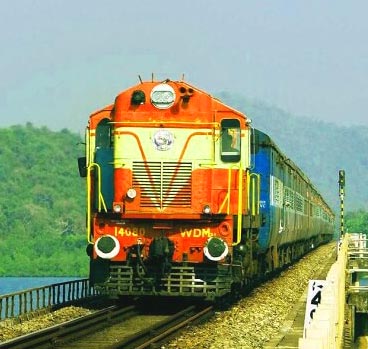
163,140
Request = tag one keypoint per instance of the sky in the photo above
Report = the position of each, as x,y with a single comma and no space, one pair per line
63,59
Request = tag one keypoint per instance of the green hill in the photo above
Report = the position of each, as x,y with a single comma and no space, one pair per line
42,204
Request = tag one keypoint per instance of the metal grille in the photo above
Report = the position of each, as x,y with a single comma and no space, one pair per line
163,184
200,281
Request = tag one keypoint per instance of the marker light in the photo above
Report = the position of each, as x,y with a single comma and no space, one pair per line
215,249
131,193
107,247
116,208
163,96
206,209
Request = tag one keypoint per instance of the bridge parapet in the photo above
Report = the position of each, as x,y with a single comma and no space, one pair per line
26,302
357,266
357,287
325,329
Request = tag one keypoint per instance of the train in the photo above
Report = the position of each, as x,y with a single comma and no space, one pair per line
186,199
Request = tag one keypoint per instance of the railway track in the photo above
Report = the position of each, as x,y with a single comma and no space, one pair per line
113,328
155,335
49,337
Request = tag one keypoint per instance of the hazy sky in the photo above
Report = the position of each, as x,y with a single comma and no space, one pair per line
62,59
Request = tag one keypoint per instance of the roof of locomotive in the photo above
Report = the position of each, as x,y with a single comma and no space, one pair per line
181,96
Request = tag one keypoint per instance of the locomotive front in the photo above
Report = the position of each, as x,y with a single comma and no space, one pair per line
167,180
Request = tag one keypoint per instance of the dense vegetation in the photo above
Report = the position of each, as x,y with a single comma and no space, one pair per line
42,205
42,197
356,222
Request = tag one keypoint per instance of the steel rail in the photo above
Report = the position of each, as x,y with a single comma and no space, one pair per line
152,336
77,328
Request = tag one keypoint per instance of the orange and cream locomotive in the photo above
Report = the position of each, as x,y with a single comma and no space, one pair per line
173,205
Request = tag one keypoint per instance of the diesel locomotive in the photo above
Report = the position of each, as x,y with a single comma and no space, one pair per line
185,198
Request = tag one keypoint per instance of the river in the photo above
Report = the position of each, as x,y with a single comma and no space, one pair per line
14,284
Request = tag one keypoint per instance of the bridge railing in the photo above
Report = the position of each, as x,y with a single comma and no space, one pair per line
35,299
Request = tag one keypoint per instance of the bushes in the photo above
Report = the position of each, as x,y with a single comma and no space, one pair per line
357,222
42,203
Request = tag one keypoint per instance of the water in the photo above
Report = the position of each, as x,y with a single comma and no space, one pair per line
32,300
14,284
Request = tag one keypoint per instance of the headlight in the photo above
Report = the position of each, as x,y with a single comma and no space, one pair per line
163,96
215,249
131,193
107,247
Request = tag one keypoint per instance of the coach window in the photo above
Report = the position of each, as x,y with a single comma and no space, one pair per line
230,140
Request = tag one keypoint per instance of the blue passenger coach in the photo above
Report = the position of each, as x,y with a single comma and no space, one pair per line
294,216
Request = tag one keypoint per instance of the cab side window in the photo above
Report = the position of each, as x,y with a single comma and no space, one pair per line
103,134
230,140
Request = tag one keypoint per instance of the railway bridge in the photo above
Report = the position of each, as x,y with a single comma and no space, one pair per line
333,312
